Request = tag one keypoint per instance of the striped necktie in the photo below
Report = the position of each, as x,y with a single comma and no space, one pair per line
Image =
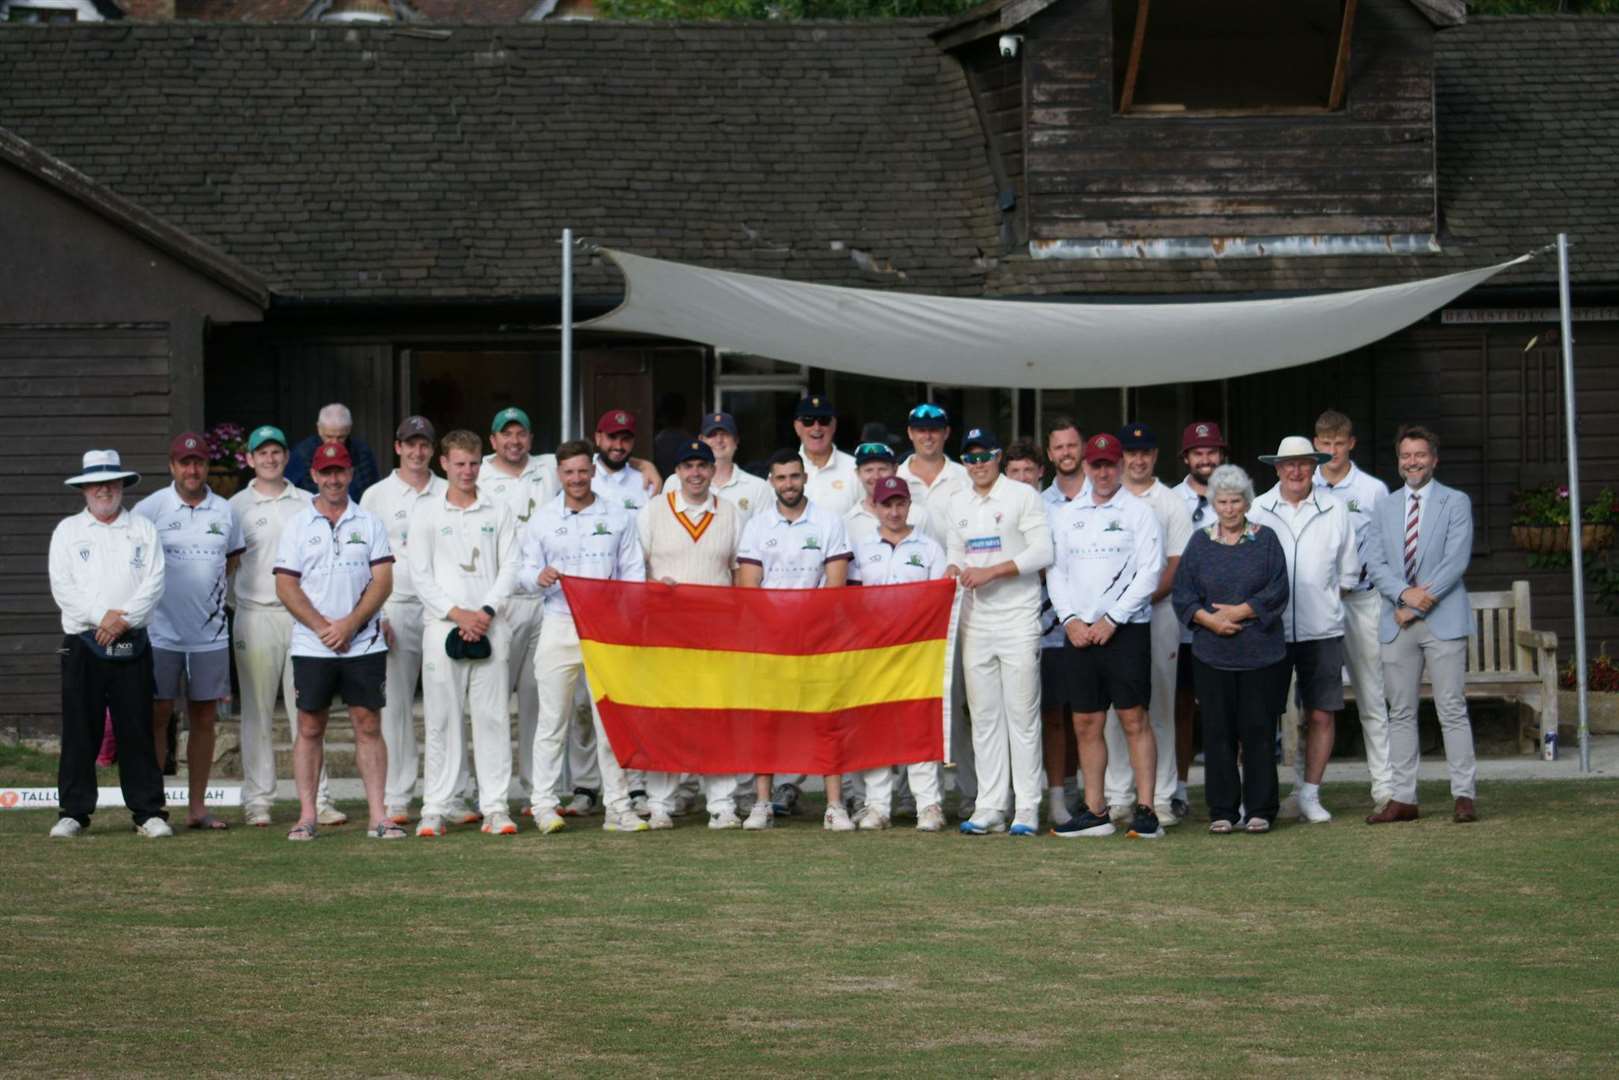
1411,539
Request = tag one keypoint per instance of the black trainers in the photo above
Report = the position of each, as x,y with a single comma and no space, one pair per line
1144,826
1087,824
1181,808
784,800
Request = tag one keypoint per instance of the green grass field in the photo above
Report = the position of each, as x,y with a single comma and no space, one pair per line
1429,949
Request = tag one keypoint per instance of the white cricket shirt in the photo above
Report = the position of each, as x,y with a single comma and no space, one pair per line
625,489
96,568
836,485
748,493
1109,559
1359,492
261,518
523,494
332,563
918,557
794,554
463,557
861,524
1009,522
395,503
196,542
599,541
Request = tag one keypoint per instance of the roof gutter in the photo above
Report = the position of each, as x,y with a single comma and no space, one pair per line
1237,247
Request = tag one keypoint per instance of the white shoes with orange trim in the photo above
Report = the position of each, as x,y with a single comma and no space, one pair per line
500,823
430,825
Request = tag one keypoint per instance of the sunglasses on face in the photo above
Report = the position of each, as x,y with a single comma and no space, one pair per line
815,421
927,411
978,457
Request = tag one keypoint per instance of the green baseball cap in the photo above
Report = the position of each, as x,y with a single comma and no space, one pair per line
262,435
510,415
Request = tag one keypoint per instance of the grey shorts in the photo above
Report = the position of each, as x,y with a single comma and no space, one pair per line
207,674
1320,668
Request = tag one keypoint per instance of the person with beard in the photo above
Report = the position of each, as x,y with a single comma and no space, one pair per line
999,541
1203,450
830,480
106,571
1064,442
1109,562
796,544
202,542
747,492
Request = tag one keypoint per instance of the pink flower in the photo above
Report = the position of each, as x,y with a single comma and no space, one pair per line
1562,491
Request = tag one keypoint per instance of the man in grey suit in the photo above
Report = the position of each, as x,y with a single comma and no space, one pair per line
1419,549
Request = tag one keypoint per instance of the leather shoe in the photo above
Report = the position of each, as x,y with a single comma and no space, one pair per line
1394,811
1465,811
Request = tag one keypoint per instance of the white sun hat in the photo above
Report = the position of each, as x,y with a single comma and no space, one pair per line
1295,446
103,467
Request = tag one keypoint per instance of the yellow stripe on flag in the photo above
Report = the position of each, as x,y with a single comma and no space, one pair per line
666,678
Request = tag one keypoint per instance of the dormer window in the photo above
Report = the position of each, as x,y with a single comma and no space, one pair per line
1230,57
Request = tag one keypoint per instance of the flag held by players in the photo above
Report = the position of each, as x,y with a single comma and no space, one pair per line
695,678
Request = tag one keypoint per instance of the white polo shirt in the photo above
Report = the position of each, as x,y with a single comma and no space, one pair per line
463,557
1359,492
261,518
97,567
599,541
332,563
794,553
918,557
931,497
525,493
395,503
861,524
748,493
625,489
1052,636
1007,523
1198,506
1173,518
1109,559
196,542
836,485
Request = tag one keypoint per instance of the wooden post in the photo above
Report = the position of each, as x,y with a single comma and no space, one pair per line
1133,68
1340,70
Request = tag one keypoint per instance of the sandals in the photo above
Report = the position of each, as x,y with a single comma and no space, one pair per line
304,830
209,822
1220,826
386,830
1258,825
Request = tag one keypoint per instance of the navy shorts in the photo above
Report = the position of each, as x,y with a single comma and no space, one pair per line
1117,675
358,680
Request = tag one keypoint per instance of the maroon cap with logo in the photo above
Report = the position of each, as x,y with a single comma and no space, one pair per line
889,487
1103,447
614,421
188,444
332,455
1202,434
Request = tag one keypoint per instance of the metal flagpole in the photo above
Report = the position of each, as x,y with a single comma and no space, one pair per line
567,408
1576,526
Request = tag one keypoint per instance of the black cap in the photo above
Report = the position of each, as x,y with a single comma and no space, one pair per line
1137,436
980,437
696,450
811,406
457,647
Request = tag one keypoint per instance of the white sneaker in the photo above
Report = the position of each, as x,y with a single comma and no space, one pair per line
640,805
1166,815
930,819
500,823
330,816
1121,812
759,817
256,816
872,820
659,819
680,805
399,815
430,825
984,822
67,828
459,813
549,821
1026,823
626,821
1311,810
583,804
725,819
836,819
154,828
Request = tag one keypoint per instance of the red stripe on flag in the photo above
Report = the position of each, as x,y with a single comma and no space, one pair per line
768,741
792,622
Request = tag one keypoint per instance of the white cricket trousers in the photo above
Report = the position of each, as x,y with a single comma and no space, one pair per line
453,690
1363,656
262,640
558,669
924,779
398,713
582,770
522,617
1446,660
1002,666
1120,779
719,789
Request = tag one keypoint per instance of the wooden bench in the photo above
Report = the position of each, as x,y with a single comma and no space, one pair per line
1509,660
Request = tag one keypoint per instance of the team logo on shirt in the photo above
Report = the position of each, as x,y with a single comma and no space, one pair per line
743,502
137,560
262,521
400,513
214,529
84,553
602,530
1114,526
811,544
527,513
471,567
629,504
488,530
355,538
914,560
1354,506
313,540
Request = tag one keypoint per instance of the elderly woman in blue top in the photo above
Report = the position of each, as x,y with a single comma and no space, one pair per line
1231,590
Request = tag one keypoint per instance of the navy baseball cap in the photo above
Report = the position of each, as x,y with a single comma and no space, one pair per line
1137,436
719,421
696,450
874,451
928,415
813,406
980,437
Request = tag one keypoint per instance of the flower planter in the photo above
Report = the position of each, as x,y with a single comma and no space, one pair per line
1601,709
224,481
1550,539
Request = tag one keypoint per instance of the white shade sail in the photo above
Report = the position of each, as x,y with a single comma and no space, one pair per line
968,342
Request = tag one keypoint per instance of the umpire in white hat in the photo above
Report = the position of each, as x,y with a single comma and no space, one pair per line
106,570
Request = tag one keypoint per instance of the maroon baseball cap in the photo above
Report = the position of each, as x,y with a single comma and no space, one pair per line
1103,447
614,421
332,455
188,444
890,487
1201,434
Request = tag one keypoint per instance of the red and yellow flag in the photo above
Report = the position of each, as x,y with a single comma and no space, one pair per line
705,679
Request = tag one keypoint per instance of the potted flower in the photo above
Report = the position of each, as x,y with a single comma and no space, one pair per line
1602,703
1541,525
227,457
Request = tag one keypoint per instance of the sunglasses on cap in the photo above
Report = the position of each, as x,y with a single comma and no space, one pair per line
874,449
928,411
979,457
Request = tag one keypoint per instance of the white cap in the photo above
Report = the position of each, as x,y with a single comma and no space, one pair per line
103,467
1295,446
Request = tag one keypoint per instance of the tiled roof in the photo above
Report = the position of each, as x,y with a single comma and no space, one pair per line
418,163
